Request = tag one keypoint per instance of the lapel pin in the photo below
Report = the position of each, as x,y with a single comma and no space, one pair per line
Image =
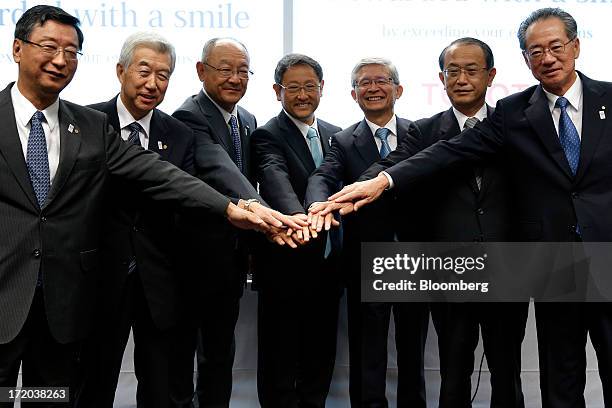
165,147
602,114
70,128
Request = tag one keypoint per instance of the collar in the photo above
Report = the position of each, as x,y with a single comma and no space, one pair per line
391,125
303,127
226,114
461,118
24,110
573,95
125,117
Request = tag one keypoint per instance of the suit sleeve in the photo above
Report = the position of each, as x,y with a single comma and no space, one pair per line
273,173
158,179
212,164
471,145
327,178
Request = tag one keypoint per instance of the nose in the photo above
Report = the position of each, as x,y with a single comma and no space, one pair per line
151,82
548,57
462,78
59,59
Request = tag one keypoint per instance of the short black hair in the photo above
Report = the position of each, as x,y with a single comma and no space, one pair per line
486,50
39,15
290,60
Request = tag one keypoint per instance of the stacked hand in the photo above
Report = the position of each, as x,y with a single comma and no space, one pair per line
354,196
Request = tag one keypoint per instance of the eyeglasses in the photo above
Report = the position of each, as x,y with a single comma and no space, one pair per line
310,89
470,72
556,49
368,82
243,73
71,54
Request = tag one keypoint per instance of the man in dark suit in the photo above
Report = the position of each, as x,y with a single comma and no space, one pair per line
470,203
140,243
56,158
376,87
219,257
298,289
553,136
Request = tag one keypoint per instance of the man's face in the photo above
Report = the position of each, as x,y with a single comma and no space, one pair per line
144,81
554,69
378,97
466,78
301,93
225,91
43,76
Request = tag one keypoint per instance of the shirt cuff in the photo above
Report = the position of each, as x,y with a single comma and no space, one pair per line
389,179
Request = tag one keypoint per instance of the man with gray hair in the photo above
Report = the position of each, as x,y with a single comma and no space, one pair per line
375,87
139,242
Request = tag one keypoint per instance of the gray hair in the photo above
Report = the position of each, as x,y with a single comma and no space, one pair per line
210,44
374,61
571,28
150,40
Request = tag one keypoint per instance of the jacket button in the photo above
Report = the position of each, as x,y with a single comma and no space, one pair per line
36,253
480,211
574,194
572,228
43,219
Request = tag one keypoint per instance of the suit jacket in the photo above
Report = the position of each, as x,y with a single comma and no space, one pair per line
138,227
214,159
62,239
353,150
454,208
283,164
548,201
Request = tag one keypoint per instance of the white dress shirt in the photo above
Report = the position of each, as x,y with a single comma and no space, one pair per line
226,115
574,110
303,128
126,119
461,118
24,110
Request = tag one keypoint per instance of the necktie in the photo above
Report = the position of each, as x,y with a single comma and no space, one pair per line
37,159
317,157
568,135
233,122
315,146
134,136
470,123
383,134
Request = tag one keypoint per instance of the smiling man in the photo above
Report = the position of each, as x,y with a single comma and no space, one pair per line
298,289
139,239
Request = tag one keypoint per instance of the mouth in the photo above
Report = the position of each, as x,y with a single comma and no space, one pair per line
302,105
463,91
147,98
549,72
54,74
374,98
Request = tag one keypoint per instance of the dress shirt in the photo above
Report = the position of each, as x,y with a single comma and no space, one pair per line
303,128
226,115
391,139
126,118
461,118
24,110
574,110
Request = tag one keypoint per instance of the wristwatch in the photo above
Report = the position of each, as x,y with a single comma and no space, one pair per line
247,203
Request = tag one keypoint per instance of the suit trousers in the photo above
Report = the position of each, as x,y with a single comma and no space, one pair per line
296,348
217,316
369,328
163,366
562,335
503,328
44,361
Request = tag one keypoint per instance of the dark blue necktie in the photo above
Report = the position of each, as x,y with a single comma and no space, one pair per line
37,159
568,135
383,134
233,122
134,137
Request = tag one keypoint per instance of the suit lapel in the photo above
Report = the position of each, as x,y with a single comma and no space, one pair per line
296,141
486,172
540,119
70,142
326,135
158,136
365,144
10,146
218,126
245,136
592,123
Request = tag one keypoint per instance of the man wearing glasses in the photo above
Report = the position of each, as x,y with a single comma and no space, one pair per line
558,141
375,87
218,258
298,289
56,160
